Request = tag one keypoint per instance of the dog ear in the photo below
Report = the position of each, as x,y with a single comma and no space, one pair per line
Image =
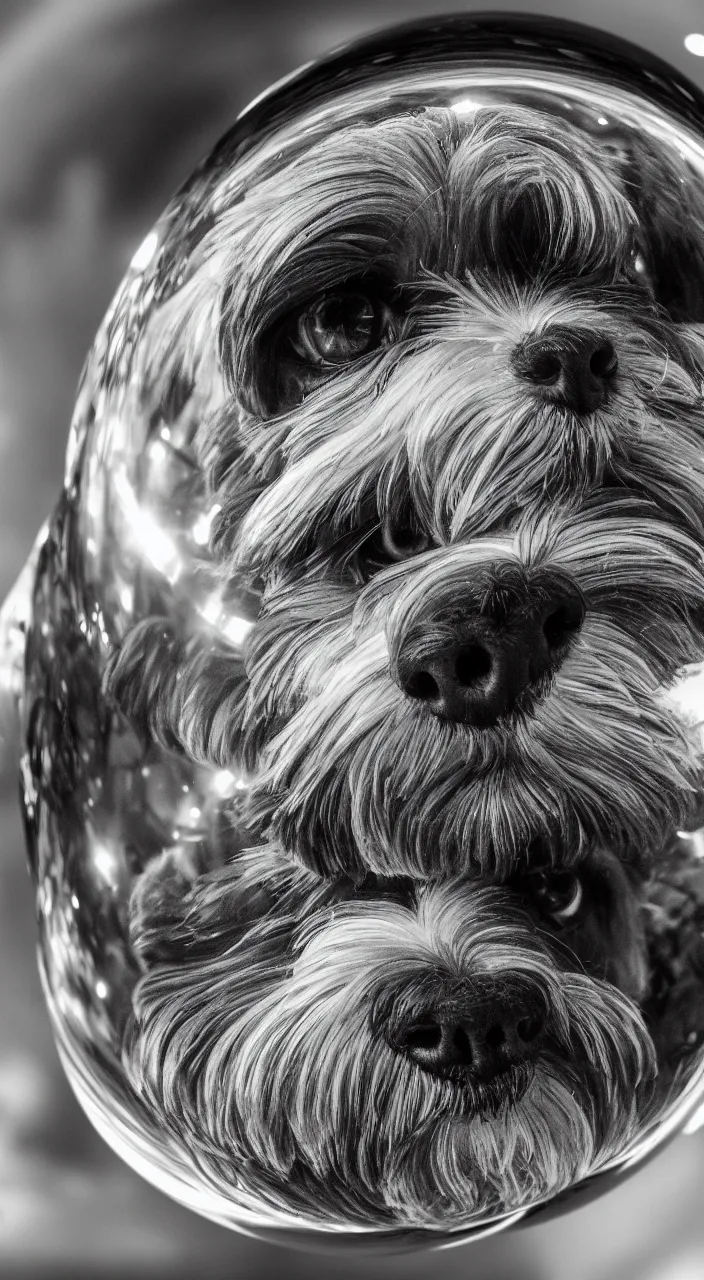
674,918
187,691
158,906
667,194
177,915
182,910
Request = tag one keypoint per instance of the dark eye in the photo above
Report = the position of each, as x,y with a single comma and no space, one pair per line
401,540
637,265
388,543
558,894
341,327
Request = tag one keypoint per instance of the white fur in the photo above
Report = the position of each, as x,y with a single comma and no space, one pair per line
269,1057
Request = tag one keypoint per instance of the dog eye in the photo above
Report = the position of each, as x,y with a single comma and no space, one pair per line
390,543
339,328
558,894
400,541
637,265
385,544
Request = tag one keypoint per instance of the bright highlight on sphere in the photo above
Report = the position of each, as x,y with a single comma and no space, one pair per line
694,43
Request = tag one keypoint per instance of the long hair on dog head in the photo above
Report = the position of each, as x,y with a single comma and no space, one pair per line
493,234
360,774
354,771
386,327
285,1052
464,239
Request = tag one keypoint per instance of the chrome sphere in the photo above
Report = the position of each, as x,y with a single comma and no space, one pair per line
139,530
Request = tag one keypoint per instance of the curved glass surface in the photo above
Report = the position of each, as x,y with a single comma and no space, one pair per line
359,667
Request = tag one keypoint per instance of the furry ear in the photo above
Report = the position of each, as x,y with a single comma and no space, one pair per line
186,691
158,907
674,921
667,193
182,909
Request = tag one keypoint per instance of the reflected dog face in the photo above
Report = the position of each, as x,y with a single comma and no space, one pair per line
391,1054
457,449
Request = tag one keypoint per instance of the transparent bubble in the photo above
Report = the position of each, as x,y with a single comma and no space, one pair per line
358,666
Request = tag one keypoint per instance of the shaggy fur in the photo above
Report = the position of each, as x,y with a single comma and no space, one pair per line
370,498
266,1035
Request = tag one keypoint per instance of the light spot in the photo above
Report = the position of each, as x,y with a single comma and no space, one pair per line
145,252
202,526
157,452
223,782
211,610
694,43
466,106
104,860
237,629
695,1122
146,533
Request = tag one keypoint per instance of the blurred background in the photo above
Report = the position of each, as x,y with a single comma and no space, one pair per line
105,105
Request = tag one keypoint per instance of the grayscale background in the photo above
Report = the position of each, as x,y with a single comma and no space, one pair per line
105,105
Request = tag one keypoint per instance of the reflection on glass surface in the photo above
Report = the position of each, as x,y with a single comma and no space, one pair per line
359,664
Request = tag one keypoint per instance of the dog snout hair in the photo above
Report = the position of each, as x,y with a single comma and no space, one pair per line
568,365
475,1034
472,663
270,1049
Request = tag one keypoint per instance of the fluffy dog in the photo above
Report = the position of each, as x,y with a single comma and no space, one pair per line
444,376
391,1054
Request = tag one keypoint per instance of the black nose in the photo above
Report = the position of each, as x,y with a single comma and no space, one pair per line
473,669
569,366
478,1038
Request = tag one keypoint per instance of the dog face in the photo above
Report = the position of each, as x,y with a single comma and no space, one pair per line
365,752
457,449
392,1054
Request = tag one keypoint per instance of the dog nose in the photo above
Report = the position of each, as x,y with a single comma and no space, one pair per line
478,1039
571,366
473,670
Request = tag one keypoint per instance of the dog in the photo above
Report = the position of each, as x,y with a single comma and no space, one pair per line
561,1009
390,1054
443,376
